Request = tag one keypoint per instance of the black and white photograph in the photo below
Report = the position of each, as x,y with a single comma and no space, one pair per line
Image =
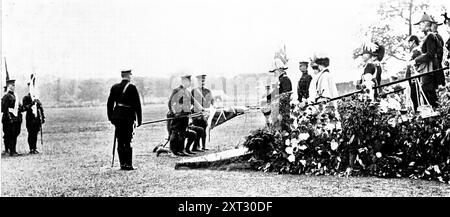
225,98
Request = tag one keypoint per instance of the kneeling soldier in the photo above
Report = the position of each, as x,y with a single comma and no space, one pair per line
180,103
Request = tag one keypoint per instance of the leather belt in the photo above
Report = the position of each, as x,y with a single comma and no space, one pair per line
123,105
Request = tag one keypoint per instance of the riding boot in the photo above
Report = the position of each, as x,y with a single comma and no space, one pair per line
120,152
12,148
188,147
129,159
6,142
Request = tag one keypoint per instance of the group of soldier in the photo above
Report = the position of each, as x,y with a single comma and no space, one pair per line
187,125
12,117
186,122
428,55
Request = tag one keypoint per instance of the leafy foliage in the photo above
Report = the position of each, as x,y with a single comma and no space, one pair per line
368,142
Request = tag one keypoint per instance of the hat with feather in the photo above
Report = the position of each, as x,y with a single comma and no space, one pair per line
425,17
280,60
446,19
374,49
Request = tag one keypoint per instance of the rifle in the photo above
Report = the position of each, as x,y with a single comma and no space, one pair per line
380,86
168,119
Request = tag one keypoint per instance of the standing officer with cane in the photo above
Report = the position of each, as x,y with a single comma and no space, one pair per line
124,108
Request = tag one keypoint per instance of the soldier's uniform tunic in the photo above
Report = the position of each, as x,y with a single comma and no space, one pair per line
179,104
33,121
429,58
284,86
303,86
204,97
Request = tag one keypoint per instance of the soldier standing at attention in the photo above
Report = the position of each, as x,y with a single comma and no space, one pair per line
304,82
428,60
34,117
202,95
124,108
11,122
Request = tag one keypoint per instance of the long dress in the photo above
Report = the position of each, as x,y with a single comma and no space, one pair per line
325,87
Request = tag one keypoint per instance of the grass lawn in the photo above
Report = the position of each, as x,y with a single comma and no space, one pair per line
75,160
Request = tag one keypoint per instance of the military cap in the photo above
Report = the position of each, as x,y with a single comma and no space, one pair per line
126,71
303,62
200,76
446,18
374,49
425,17
186,77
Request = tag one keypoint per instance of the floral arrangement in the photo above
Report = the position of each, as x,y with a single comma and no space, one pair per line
361,140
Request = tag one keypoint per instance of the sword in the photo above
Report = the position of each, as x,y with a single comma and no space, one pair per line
42,140
114,148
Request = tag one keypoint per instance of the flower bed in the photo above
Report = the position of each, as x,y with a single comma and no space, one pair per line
364,142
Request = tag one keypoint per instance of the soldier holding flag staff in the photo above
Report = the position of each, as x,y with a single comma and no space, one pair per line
124,108
34,117
11,118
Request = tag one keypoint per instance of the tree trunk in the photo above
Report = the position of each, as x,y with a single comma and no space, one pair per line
410,16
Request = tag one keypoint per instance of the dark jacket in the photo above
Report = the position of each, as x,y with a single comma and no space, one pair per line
11,122
429,51
284,86
32,120
375,70
8,101
440,55
303,86
126,107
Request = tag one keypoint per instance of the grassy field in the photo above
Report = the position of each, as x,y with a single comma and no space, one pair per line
75,160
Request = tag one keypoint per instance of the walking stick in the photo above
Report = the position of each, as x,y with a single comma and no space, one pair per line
114,148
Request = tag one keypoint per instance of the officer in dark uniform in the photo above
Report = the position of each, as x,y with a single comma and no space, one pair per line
440,77
11,122
180,106
204,96
429,58
414,52
124,108
284,84
34,120
304,82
